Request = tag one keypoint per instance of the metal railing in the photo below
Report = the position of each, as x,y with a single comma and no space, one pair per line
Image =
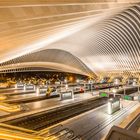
57,132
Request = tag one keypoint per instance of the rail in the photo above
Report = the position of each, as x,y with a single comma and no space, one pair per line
49,130
13,132
2,125
46,119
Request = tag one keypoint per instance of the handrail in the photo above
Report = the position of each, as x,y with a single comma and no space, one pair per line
17,133
46,130
71,134
12,135
58,134
9,107
17,128
2,97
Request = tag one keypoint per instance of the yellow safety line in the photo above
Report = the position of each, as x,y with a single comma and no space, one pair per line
18,128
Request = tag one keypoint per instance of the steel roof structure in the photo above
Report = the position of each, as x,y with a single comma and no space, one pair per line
92,37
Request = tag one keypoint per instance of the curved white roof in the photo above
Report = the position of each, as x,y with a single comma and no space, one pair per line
96,36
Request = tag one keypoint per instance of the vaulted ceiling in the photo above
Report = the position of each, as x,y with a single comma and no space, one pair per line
85,37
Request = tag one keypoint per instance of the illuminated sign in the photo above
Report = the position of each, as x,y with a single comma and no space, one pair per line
126,97
103,94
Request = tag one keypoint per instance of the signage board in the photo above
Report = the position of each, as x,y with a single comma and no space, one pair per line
66,95
20,85
29,87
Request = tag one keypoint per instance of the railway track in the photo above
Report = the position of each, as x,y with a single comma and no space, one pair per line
45,119
34,99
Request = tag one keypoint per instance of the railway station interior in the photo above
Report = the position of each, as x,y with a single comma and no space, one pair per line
69,69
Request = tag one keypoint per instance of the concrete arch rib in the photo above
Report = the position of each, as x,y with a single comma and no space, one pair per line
51,58
94,45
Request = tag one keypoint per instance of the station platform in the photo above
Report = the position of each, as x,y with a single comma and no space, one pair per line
52,103
17,96
16,92
55,102
23,96
3,113
44,105
94,124
47,104
8,90
20,96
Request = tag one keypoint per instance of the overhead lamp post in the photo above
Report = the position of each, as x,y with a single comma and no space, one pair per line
66,85
60,85
114,92
65,80
24,87
90,85
77,81
124,90
37,91
16,86
138,93
138,90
